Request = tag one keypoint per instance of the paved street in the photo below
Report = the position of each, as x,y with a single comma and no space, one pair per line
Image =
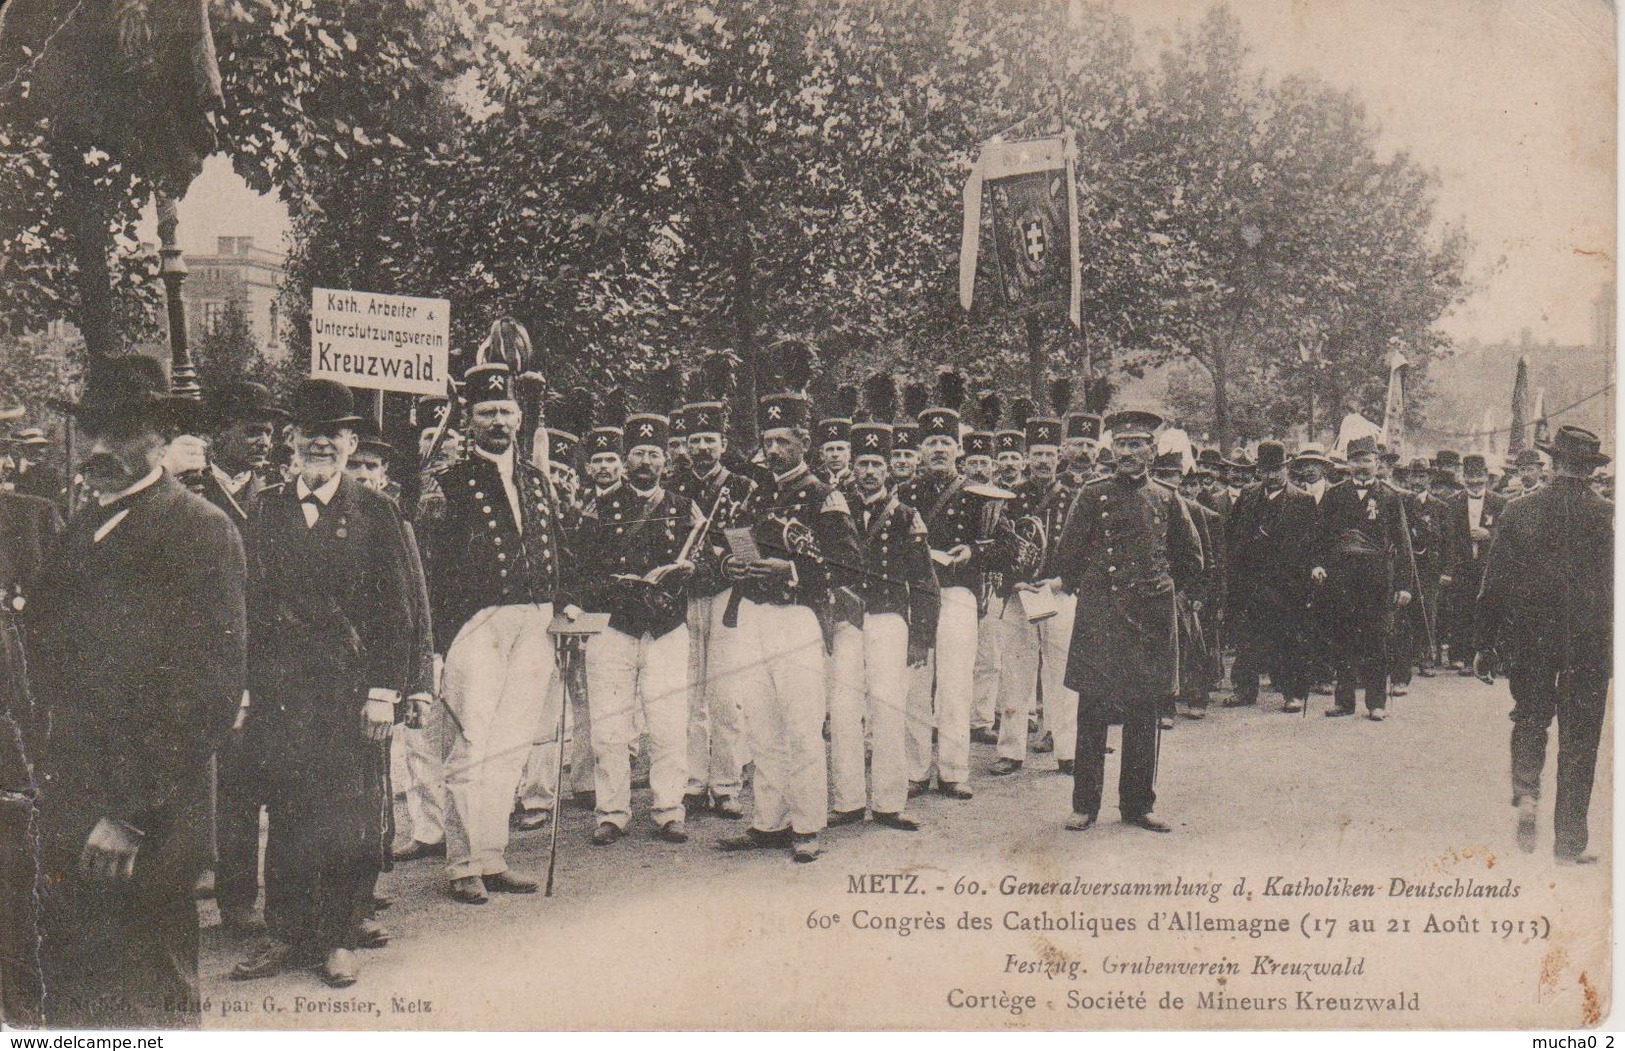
706,939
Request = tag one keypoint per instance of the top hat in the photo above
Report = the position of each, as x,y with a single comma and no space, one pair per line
871,439
1528,458
323,403
1133,423
244,400
789,409
832,429
1271,456
1474,463
1083,425
703,417
979,443
131,388
1576,445
488,381
646,428
1447,458
1043,430
905,436
1365,445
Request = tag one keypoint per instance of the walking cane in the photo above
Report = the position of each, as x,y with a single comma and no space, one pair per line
570,642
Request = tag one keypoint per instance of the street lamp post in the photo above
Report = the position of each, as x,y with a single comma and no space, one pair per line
172,268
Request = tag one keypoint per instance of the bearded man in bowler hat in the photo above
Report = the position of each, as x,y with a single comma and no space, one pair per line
134,630
330,620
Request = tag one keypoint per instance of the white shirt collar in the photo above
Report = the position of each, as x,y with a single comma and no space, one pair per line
147,481
323,493
503,460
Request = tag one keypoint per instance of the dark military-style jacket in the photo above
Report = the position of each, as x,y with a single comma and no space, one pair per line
822,543
898,575
735,492
952,517
627,533
1046,501
1548,591
479,556
1129,543
1269,543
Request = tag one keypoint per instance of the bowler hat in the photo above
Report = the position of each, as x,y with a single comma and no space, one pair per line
1575,445
1447,458
1271,456
245,400
1528,458
323,403
131,388
1474,463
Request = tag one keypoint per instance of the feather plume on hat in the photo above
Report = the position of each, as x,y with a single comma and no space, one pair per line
714,379
916,399
792,364
664,388
845,401
991,410
611,408
880,396
1022,410
950,389
1060,394
572,413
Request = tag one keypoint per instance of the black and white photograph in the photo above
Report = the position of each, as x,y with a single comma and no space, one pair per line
807,515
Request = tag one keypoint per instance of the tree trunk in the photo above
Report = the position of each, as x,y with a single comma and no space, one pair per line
743,423
1035,357
87,215
1221,399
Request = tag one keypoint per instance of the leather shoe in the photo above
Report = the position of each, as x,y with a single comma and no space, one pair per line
1576,859
380,902
469,890
917,788
727,807
1338,713
1426,673
1526,825
1003,767
1377,715
901,822
584,800
606,833
982,735
1292,705
837,818
531,820
1193,712
341,969
1396,690
505,882
272,957
1147,822
1044,745
418,849
1064,766
370,934
241,919
754,839
1238,702
1165,723
694,802
673,832
805,848
1080,822
954,790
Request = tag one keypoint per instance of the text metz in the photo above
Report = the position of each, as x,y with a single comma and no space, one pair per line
882,883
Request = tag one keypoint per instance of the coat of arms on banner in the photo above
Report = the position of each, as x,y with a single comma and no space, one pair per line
1029,212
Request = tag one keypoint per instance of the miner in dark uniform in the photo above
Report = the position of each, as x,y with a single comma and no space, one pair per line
1546,610
631,564
941,692
134,630
494,583
715,707
1362,565
1269,537
832,440
246,419
330,621
1468,527
905,438
900,596
1128,545
786,598
28,524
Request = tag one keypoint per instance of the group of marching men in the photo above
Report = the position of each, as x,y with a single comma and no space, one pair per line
840,614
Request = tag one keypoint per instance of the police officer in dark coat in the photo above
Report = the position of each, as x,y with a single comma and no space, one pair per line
330,644
1268,537
1129,543
1546,610
135,631
1362,563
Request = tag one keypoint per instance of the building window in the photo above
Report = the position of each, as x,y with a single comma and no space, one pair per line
274,331
214,315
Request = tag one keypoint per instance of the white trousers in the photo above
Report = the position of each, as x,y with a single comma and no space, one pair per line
884,710
844,687
939,694
1060,703
1018,677
536,783
989,659
424,751
499,680
714,708
782,685
633,681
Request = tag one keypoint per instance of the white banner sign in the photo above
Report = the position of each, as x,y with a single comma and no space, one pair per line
381,342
